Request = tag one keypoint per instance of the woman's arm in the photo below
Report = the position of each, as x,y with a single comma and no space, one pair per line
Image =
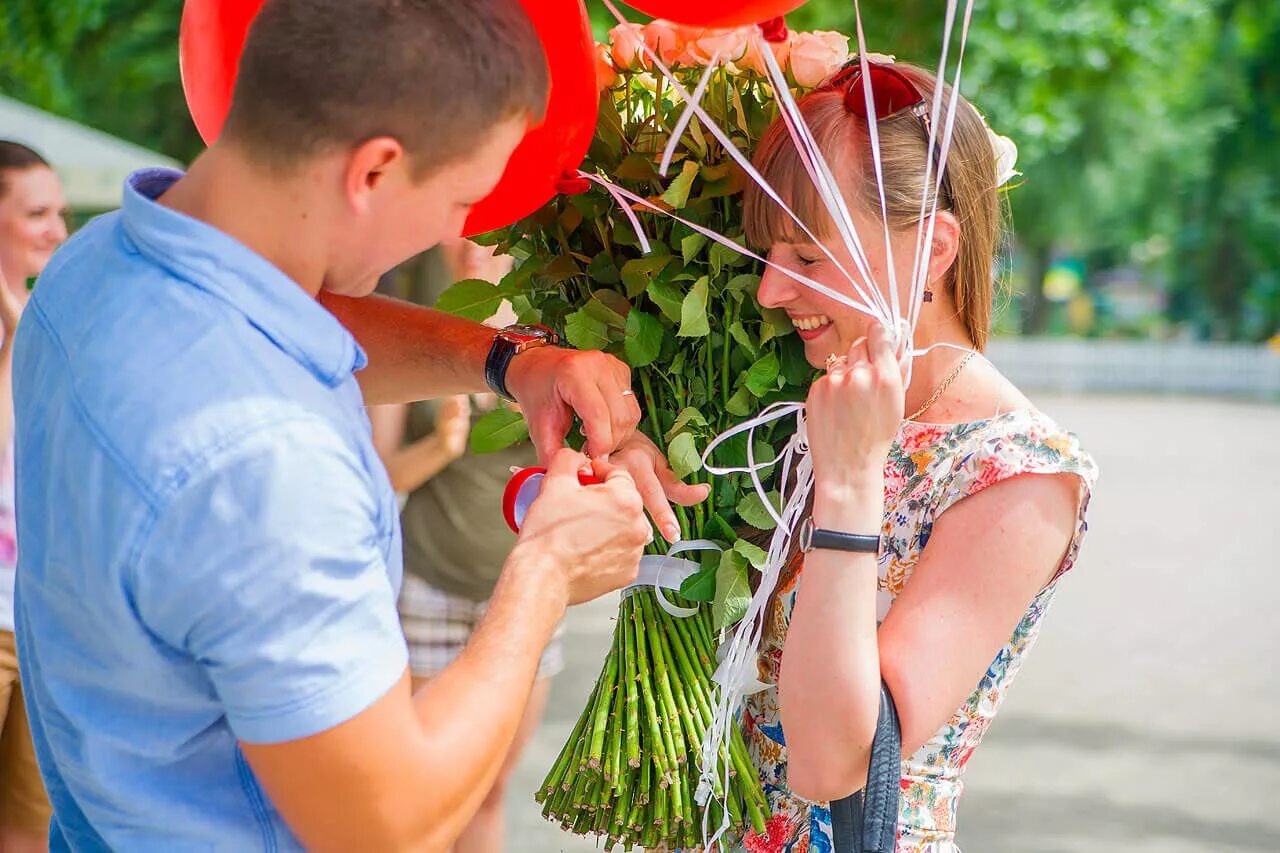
987,558
11,306
411,465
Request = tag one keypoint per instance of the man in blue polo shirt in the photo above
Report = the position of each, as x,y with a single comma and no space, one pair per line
210,549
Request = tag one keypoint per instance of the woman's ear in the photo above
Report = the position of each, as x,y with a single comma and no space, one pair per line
946,244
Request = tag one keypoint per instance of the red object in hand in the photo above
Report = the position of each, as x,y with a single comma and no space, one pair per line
716,13
524,487
211,40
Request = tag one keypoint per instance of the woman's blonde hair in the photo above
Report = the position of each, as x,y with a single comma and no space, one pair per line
969,188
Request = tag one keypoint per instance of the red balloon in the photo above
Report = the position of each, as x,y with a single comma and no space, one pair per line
210,41
554,149
212,38
716,13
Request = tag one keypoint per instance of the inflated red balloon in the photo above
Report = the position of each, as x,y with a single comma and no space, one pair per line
212,38
554,149
716,13
210,41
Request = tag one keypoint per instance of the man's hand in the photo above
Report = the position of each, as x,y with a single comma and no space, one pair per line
658,486
590,538
552,384
453,425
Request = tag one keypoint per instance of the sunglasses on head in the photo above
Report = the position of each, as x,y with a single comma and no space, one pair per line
892,93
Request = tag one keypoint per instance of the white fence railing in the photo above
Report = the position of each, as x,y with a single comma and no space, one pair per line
1076,366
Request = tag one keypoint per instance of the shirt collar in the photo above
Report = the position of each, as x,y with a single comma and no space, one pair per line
219,264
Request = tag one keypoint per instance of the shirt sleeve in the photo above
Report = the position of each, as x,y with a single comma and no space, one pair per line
267,568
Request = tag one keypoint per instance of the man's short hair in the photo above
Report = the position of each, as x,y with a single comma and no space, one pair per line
437,75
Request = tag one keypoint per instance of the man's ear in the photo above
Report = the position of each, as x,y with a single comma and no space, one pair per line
368,166
946,244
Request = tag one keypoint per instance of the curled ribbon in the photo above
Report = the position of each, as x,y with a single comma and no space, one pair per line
667,571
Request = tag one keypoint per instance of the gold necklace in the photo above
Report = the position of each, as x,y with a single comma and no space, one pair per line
942,387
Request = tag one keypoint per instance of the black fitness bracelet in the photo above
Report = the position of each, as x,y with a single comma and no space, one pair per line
812,537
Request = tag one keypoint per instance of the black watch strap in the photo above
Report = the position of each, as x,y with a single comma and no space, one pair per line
812,537
496,364
508,344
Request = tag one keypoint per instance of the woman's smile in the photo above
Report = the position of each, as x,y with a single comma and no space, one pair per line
810,326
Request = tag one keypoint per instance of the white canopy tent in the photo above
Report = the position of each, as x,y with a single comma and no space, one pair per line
92,164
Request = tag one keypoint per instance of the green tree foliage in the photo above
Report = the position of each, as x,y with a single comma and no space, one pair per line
1143,124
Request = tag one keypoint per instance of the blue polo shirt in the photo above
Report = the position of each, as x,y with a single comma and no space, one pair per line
210,544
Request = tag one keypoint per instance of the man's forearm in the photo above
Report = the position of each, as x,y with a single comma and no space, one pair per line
475,706
415,353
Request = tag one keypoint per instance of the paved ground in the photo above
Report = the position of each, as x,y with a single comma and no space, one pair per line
1148,717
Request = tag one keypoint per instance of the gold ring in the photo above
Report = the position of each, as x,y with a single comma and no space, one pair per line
834,359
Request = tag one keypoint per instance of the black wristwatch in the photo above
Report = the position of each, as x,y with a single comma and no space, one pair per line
812,537
508,344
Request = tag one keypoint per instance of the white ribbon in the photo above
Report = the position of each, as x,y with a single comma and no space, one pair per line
667,571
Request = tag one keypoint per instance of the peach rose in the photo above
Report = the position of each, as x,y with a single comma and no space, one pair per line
728,45
665,39
606,74
816,56
624,47
753,59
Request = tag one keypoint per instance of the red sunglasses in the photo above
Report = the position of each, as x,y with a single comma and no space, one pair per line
893,94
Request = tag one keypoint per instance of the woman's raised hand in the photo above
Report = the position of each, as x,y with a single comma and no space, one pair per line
853,414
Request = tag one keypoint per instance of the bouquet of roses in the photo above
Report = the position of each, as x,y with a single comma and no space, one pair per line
705,356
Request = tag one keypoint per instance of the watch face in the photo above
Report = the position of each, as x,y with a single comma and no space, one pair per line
525,334
806,535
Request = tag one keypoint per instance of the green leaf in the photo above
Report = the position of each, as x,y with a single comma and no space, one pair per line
683,456
638,273
693,311
744,283
740,403
586,332
525,312
644,338
762,377
688,415
472,298
701,585
776,324
754,554
752,510
733,591
636,167
498,430
691,245
561,268
667,297
739,334
603,269
677,194
722,256
609,307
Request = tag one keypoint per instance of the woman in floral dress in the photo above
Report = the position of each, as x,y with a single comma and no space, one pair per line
979,499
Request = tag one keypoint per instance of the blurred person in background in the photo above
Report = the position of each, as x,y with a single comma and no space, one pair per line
31,228
455,538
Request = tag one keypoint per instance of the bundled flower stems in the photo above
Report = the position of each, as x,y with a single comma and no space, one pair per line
629,772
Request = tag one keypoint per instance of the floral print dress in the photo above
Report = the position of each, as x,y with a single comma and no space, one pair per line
930,467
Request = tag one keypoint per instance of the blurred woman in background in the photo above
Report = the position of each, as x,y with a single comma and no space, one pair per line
31,229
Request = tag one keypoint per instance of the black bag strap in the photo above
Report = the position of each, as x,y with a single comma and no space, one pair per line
867,821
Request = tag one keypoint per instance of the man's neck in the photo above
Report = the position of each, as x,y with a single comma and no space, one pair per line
274,217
